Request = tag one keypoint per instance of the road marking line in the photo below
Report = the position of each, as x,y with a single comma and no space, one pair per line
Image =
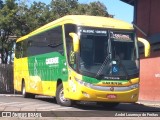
62,108
49,107
26,103
11,103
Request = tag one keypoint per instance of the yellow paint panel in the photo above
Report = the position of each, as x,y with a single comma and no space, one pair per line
34,84
70,85
20,72
49,88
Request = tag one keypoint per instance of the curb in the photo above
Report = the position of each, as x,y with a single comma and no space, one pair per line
149,103
19,95
10,95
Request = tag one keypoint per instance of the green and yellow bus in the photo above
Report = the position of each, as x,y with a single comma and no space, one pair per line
80,58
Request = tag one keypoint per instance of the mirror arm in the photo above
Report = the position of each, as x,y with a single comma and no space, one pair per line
147,46
75,41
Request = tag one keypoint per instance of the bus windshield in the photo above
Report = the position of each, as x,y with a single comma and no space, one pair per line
108,54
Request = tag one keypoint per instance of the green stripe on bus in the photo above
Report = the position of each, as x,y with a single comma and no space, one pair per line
49,67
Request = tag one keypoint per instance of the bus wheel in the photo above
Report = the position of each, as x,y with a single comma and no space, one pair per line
61,100
109,104
25,94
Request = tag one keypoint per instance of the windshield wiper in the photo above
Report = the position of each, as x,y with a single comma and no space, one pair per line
102,67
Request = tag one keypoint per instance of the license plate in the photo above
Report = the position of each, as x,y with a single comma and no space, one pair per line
111,96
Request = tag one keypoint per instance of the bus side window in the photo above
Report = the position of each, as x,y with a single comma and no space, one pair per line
55,40
29,47
18,52
69,44
24,48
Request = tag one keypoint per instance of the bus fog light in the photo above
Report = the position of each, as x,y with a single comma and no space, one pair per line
86,94
133,96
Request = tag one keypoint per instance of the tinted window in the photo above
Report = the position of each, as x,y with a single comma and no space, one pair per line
93,49
69,42
18,52
46,42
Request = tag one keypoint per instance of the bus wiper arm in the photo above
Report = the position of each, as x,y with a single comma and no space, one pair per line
103,65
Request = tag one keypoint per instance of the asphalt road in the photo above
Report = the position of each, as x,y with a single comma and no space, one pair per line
44,107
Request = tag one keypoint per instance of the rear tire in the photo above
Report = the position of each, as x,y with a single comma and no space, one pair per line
24,93
60,97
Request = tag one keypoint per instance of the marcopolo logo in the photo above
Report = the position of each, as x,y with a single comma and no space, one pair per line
50,61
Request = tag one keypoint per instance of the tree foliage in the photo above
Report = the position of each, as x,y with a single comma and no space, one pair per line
7,25
19,17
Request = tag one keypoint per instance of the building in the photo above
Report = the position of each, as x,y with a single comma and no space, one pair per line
147,18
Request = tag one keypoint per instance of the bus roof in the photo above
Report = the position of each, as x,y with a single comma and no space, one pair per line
83,20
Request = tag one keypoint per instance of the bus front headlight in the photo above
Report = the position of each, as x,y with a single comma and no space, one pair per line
134,86
81,82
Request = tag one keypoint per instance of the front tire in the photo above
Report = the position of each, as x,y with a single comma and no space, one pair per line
24,93
61,100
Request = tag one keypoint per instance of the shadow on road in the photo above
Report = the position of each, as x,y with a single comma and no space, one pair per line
85,109
126,107
91,109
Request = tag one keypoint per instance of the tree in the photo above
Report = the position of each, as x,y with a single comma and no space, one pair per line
61,8
18,19
37,15
1,4
67,7
97,9
30,18
7,25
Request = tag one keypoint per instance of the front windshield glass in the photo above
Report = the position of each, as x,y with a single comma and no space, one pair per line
124,54
107,54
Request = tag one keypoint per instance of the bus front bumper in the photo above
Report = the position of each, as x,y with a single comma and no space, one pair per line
104,93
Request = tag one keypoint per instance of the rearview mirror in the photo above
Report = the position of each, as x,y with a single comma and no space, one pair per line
75,41
147,46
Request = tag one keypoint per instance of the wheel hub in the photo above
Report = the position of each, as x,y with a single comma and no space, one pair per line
61,96
23,92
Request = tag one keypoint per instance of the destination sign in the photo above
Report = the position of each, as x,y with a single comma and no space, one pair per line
93,31
121,36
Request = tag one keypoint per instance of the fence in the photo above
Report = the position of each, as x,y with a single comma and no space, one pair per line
6,79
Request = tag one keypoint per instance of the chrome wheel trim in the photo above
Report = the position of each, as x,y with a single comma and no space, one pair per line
61,96
23,90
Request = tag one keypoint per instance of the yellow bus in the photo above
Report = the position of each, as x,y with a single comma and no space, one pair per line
80,58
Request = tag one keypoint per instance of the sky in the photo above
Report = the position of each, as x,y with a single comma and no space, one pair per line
120,10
